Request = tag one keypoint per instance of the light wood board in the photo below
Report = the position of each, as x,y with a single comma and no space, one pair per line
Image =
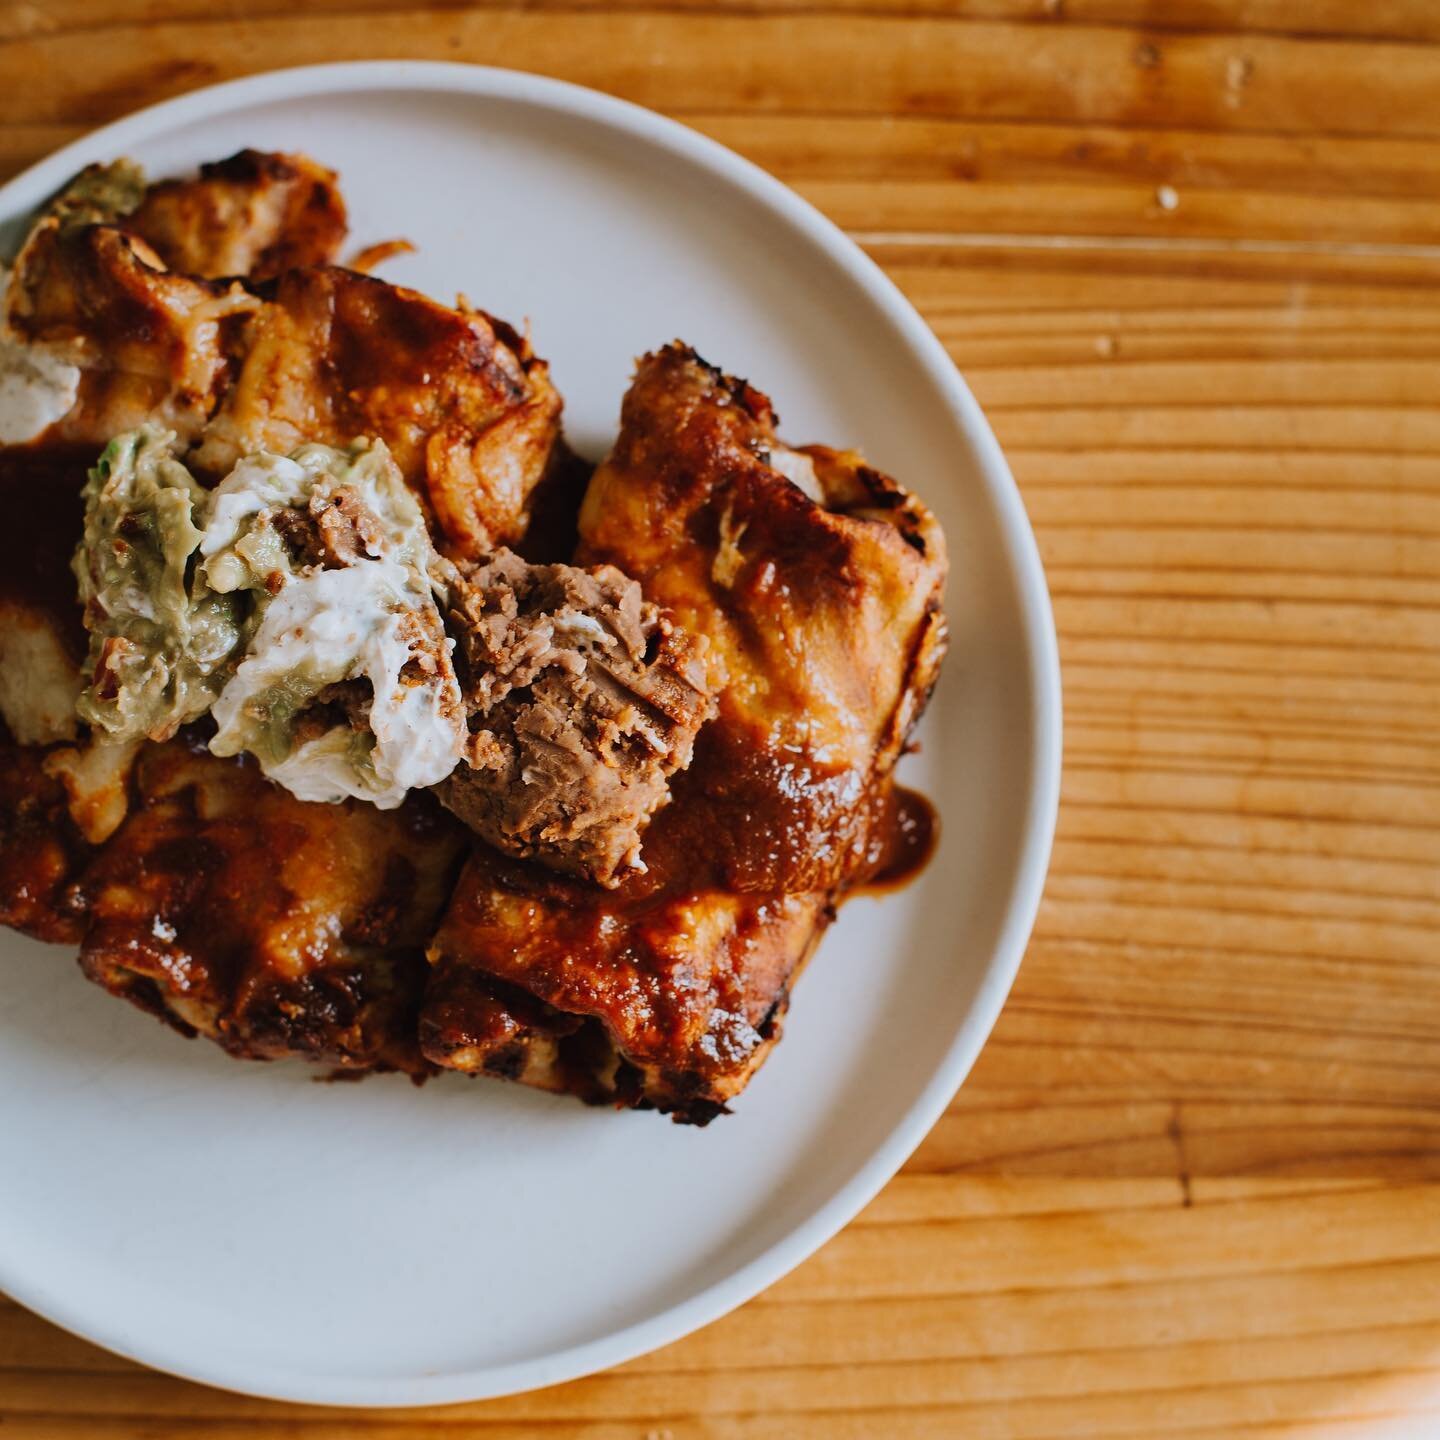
1188,256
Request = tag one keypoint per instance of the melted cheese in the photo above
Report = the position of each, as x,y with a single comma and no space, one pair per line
799,469
37,386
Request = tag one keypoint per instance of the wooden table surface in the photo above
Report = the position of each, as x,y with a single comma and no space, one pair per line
1188,256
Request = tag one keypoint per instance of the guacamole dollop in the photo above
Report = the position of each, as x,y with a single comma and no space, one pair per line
160,638
293,602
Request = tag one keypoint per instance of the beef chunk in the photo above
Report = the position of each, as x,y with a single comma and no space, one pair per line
330,532
583,701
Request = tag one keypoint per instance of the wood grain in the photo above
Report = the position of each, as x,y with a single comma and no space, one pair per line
1188,257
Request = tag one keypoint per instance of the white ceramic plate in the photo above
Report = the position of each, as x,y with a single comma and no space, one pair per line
379,1244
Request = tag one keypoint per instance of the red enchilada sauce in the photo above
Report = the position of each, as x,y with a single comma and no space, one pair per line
40,849
902,840
44,515
790,820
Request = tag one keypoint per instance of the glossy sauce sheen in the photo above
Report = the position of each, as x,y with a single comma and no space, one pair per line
40,488
780,830
902,840
40,850
756,819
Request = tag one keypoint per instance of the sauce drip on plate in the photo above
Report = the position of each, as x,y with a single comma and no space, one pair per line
902,840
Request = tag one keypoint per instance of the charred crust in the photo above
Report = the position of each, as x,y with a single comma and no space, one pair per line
741,392
359,1007
144,994
248,166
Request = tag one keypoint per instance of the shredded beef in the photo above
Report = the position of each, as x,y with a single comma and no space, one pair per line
583,701
330,533
347,528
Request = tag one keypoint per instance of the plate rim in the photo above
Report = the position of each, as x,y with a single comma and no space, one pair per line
1044,761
